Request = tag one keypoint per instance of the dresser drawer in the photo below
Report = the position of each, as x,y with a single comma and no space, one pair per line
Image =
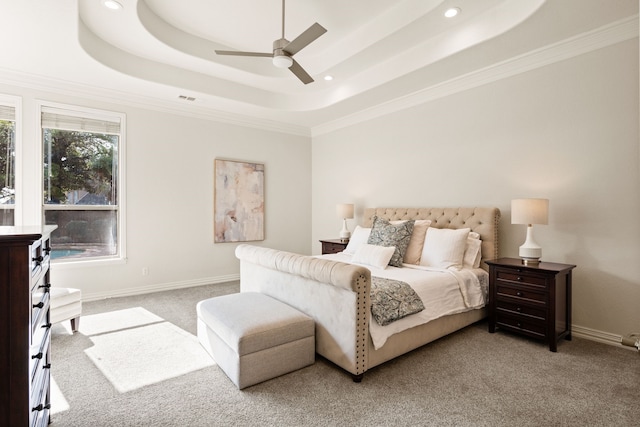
39,355
39,308
522,324
37,257
40,405
521,293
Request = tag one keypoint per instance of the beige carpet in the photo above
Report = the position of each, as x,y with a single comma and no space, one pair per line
131,353
471,378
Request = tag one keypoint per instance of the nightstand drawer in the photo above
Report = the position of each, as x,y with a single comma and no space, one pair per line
333,246
521,277
519,308
531,327
526,293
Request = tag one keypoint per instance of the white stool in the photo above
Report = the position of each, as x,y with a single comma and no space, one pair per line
66,304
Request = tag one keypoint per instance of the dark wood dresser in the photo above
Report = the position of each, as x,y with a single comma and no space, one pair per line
533,300
25,330
333,246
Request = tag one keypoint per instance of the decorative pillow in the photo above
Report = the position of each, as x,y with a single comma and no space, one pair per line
359,236
374,256
392,300
383,233
444,247
414,249
472,254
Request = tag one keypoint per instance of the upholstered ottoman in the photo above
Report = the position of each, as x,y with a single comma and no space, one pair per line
253,337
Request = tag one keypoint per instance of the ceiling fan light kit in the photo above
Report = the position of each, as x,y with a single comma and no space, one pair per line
282,61
283,50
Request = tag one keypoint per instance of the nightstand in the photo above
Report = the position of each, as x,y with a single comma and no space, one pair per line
532,300
333,246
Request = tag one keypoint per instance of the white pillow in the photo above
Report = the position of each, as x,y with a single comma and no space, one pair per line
444,247
373,255
414,249
472,253
359,236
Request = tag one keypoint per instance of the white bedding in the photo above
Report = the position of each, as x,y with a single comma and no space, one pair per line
443,292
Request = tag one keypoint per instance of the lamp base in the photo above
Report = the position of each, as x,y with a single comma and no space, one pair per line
345,234
530,251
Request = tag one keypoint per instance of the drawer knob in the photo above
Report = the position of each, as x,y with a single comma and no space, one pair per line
47,286
519,309
519,325
37,356
519,293
519,279
38,305
47,366
41,407
48,325
38,259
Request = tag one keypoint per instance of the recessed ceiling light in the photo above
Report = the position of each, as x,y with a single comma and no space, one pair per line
451,12
328,78
112,4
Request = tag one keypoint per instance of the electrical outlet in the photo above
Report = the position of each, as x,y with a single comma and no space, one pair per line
145,271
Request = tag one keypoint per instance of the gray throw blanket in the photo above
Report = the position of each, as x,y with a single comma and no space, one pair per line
392,300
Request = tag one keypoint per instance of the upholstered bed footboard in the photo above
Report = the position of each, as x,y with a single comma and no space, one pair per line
334,294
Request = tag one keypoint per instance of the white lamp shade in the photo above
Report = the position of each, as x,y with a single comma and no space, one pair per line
345,211
530,211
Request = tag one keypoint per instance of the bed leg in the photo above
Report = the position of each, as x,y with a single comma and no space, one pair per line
357,378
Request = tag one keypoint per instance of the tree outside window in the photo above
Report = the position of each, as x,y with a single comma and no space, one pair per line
7,167
80,171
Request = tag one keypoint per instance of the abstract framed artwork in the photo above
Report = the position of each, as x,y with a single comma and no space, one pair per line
238,207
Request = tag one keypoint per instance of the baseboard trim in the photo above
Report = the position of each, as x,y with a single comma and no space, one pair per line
158,287
598,336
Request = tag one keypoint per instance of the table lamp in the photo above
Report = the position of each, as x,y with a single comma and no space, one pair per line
530,211
345,211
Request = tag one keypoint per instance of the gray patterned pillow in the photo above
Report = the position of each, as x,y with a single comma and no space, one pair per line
392,300
383,233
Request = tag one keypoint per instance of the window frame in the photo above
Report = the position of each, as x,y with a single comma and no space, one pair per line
16,103
120,207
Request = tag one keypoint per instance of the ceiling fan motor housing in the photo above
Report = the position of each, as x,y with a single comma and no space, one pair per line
281,58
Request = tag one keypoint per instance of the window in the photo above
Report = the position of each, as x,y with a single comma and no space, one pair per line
7,164
82,171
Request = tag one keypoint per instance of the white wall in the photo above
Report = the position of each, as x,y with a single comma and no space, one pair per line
169,170
567,132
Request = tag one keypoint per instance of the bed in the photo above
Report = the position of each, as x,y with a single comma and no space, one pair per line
336,292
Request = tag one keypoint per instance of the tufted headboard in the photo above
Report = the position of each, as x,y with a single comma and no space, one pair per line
483,221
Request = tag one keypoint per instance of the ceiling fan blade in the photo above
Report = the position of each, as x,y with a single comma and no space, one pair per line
309,35
239,53
300,72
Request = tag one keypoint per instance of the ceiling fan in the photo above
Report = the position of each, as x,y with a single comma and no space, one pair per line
283,50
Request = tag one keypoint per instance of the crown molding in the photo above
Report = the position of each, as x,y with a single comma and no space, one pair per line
607,35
